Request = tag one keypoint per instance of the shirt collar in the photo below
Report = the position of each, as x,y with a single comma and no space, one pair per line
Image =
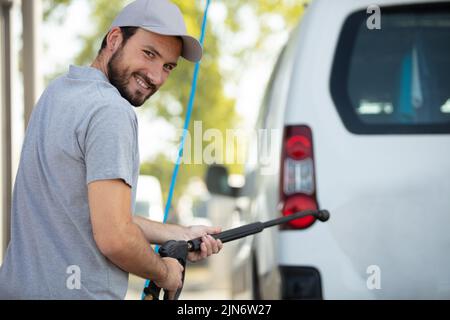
91,73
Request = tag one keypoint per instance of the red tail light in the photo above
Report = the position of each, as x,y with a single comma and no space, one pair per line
297,187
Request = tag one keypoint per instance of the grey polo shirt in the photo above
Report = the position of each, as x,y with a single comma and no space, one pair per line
80,131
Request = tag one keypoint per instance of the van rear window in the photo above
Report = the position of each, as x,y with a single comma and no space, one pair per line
396,79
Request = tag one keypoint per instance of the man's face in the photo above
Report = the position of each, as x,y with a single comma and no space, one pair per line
140,67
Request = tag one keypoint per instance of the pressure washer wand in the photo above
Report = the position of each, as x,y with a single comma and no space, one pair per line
256,227
179,249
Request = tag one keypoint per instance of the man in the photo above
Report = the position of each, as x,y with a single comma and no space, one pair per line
73,233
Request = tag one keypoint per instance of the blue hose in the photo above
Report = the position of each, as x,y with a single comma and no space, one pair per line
185,130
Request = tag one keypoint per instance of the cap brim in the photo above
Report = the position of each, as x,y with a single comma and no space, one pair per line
192,49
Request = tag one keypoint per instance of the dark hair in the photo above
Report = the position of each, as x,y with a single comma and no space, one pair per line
127,33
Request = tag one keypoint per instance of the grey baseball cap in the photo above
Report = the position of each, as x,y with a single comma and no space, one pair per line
162,17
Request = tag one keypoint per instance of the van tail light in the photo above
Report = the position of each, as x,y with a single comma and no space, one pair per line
297,185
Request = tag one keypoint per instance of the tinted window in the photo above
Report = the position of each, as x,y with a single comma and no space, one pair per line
395,79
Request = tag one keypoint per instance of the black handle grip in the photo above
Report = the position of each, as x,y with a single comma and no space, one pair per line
172,249
152,291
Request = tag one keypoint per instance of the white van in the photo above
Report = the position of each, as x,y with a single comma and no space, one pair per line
149,200
365,120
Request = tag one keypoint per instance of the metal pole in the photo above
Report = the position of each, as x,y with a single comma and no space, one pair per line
32,80
5,103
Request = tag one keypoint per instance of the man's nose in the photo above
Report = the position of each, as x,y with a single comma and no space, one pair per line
156,76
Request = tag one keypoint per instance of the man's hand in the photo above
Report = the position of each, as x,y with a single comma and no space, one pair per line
209,245
173,280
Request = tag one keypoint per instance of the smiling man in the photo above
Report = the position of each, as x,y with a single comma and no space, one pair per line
73,232
142,69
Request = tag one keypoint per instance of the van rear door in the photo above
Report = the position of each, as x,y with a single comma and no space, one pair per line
386,174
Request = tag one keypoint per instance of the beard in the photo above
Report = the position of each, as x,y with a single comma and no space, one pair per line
120,78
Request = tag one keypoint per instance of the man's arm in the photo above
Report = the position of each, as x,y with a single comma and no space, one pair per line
121,240
158,233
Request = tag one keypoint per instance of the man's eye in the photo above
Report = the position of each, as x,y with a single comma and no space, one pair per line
168,67
149,53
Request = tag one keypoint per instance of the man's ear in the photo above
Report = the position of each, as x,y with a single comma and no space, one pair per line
114,39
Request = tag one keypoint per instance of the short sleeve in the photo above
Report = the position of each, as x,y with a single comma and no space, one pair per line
110,145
